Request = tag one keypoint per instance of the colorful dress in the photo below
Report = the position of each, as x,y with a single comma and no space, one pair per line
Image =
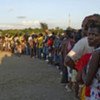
95,86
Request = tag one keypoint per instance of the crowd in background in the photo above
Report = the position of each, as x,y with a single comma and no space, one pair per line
38,45
70,51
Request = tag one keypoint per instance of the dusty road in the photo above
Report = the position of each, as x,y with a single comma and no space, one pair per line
25,78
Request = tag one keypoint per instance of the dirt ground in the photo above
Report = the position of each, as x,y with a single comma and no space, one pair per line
25,78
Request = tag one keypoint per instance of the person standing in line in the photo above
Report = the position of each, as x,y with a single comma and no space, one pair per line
92,77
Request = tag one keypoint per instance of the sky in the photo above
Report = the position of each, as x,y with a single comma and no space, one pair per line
56,13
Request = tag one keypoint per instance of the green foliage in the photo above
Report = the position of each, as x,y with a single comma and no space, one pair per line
44,26
57,30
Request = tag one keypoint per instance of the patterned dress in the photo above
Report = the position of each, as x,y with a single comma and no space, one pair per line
95,86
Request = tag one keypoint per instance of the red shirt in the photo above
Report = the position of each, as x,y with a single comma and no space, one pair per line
82,61
80,65
50,42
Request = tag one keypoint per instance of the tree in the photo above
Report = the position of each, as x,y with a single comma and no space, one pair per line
57,30
44,26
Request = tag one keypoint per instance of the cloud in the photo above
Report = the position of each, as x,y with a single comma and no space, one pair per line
27,22
31,23
12,26
21,25
6,26
21,17
36,22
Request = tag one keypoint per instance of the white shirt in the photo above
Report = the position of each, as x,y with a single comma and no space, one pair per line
80,48
29,39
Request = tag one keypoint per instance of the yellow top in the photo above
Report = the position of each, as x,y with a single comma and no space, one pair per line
40,42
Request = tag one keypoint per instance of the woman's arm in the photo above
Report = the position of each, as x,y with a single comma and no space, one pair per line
69,62
93,67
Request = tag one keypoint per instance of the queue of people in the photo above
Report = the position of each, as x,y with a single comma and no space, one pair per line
76,55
